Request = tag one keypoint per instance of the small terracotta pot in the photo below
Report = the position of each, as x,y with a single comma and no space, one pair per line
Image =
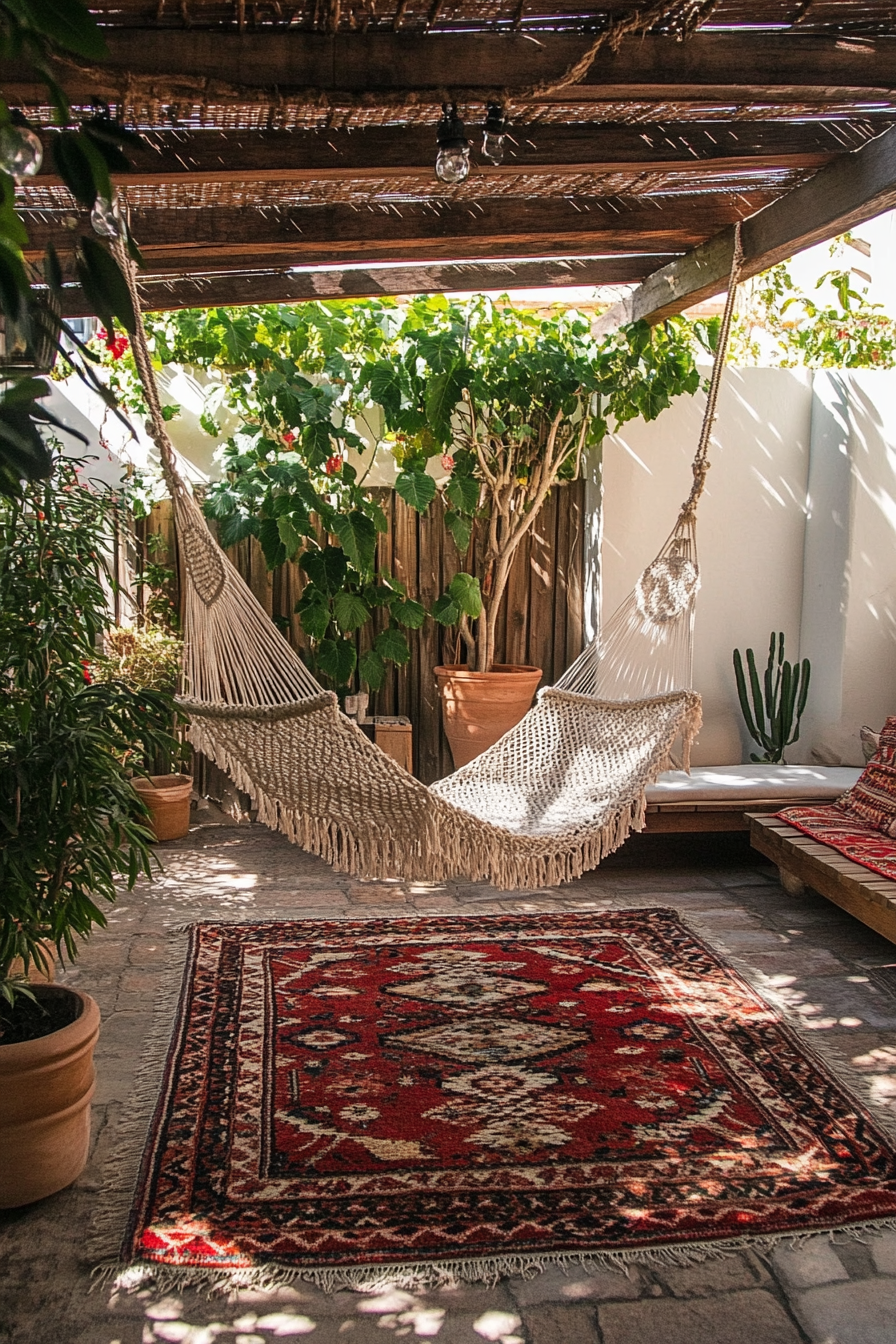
168,800
478,708
45,1091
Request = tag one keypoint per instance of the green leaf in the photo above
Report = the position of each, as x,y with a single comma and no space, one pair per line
327,567
372,669
69,26
442,395
291,539
445,610
391,644
357,534
82,167
104,285
235,528
385,387
314,614
337,658
464,589
462,492
271,542
460,528
351,611
411,614
416,489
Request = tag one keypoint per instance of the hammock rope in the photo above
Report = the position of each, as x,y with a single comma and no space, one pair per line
647,646
559,792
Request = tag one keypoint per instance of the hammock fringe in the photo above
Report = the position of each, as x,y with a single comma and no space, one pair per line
443,840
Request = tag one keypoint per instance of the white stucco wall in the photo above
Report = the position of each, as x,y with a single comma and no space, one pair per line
750,528
796,532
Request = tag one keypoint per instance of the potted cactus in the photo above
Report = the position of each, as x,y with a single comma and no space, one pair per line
71,825
773,708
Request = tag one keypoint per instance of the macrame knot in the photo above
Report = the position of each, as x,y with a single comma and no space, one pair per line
204,563
666,588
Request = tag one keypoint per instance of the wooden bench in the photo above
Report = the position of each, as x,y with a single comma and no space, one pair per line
803,862
717,798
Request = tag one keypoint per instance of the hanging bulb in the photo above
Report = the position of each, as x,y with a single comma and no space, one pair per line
493,134
453,158
105,218
21,152
453,165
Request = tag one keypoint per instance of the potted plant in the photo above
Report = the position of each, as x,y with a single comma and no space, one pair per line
71,825
510,400
149,658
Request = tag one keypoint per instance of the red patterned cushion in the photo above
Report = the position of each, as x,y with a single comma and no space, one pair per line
872,799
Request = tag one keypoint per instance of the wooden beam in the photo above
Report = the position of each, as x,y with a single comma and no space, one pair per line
400,151
848,192
447,231
226,66
233,288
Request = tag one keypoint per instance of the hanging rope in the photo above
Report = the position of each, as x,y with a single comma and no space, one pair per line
701,463
647,646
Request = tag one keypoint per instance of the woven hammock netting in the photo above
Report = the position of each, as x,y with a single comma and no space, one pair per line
561,790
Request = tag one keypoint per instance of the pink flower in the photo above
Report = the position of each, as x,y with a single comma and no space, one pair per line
447,462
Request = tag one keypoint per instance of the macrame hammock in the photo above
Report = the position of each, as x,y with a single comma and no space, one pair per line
555,795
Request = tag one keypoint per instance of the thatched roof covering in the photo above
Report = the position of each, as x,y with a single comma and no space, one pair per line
283,135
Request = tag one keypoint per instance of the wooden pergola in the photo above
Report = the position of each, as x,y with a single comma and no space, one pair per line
289,147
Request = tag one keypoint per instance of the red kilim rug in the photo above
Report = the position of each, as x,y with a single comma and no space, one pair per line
832,826
417,1092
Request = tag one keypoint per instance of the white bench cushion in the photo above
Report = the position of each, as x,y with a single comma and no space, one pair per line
731,783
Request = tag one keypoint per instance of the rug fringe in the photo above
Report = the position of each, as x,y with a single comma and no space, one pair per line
113,1208
416,1275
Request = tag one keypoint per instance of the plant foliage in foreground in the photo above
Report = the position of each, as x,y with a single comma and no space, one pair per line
71,824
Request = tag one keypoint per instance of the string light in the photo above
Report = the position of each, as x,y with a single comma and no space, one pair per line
105,219
453,157
21,152
493,134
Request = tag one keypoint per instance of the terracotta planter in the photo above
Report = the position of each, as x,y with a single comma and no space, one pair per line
478,708
37,975
45,1091
168,800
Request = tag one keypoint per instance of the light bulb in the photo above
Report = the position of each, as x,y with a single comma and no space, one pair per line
21,152
492,147
104,218
453,164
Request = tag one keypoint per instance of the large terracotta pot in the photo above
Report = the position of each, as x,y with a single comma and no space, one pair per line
480,707
45,1091
168,800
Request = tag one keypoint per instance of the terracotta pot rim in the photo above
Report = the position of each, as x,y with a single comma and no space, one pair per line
462,671
61,1042
144,784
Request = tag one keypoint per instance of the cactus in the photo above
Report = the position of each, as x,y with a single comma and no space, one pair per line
773,720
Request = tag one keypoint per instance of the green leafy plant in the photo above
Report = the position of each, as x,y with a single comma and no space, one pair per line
483,406
510,400
773,708
836,327
85,152
71,825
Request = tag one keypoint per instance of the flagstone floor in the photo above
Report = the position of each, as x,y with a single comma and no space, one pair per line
805,954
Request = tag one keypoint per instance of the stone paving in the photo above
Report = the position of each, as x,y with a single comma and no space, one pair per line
813,960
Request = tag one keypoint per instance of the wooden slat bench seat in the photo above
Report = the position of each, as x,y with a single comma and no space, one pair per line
717,797
803,862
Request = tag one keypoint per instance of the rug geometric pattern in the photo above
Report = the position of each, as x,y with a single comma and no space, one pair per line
840,830
381,1092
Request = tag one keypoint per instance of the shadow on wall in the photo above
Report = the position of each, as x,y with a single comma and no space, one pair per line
750,530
